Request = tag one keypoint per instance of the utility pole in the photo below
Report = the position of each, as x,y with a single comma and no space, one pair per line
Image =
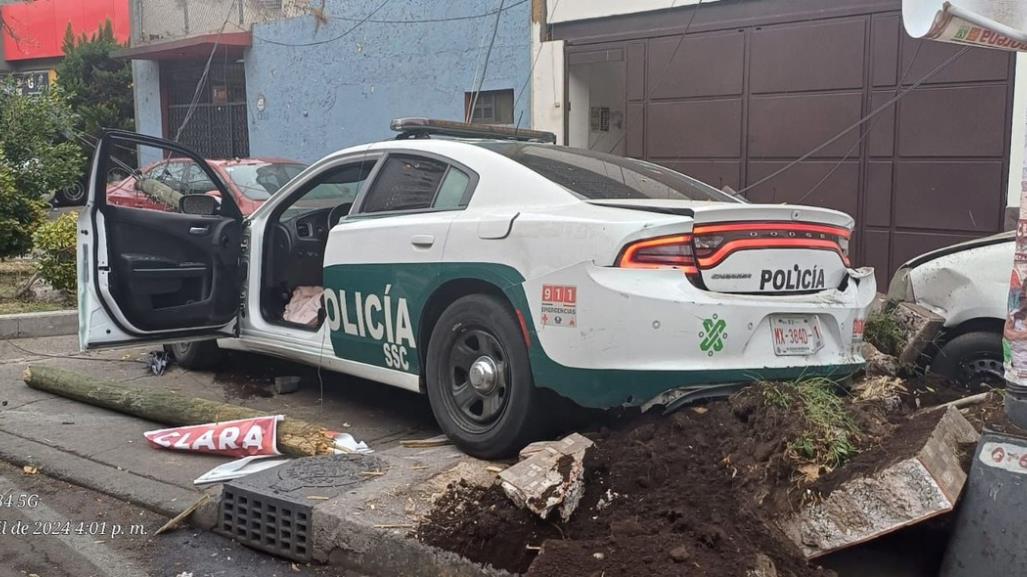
989,530
1001,25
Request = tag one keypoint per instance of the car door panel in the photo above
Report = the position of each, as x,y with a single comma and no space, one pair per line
167,278
152,273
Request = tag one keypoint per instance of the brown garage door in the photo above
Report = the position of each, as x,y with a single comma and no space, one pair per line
758,83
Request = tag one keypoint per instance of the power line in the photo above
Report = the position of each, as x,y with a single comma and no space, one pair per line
203,77
531,71
438,20
666,67
488,56
861,121
862,137
327,40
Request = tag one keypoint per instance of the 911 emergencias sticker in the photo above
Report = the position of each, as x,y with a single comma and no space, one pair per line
559,306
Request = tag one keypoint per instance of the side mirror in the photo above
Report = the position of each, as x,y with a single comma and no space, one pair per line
198,204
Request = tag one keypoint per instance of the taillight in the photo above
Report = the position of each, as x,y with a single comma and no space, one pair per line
715,242
661,252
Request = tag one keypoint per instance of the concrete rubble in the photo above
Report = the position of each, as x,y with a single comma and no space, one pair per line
907,492
549,476
919,326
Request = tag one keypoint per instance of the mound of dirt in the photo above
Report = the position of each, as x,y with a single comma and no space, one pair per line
691,494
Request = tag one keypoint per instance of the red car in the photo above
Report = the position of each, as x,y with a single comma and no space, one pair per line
251,181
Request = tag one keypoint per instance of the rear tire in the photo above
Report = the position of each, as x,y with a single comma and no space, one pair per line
195,355
479,379
973,359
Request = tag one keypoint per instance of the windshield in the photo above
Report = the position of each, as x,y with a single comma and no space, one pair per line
601,176
260,181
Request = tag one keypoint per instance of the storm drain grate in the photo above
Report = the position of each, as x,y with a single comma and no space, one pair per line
266,522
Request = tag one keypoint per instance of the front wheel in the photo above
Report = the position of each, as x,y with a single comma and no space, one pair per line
195,355
972,359
479,379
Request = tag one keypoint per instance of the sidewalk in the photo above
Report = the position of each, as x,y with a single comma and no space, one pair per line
105,451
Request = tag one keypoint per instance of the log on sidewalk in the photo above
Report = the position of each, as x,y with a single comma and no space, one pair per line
295,437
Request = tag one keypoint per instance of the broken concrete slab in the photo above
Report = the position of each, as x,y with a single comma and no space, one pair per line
880,364
904,493
920,326
369,527
549,477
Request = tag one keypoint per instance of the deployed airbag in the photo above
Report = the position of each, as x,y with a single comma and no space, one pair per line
305,306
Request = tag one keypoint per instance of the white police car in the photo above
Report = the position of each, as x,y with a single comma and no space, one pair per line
481,266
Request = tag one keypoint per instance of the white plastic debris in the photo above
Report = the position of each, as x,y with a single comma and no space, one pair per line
346,443
238,468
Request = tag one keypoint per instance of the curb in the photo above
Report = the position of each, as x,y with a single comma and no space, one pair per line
45,324
346,534
157,496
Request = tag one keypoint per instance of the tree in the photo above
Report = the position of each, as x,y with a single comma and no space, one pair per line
35,160
20,215
98,87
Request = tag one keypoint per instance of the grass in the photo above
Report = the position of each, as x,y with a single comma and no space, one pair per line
883,331
13,275
828,432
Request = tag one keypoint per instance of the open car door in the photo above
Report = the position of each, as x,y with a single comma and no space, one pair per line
158,260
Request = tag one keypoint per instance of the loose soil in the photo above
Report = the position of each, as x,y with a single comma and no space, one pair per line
693,493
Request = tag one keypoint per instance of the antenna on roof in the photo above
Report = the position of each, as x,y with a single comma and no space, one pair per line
426,127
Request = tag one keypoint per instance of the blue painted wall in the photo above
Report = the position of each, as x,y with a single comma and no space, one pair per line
318,99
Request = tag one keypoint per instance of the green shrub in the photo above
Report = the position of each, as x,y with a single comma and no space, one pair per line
20,214
55,241
883,330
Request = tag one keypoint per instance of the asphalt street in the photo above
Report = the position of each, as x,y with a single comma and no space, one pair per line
126,480
53,529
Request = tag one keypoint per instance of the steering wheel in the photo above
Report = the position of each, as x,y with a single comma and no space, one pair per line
282,246
338,213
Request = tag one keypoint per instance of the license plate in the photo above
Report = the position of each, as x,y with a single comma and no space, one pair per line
796,334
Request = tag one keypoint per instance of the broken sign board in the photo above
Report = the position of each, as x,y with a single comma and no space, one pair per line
238,438
559,306
1000,24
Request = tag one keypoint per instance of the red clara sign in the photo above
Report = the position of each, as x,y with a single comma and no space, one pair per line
240,438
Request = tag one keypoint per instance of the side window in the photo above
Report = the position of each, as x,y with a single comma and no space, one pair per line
453,190
331,188
405,182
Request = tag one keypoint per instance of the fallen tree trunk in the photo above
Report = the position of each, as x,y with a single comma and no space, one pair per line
160,192
295,437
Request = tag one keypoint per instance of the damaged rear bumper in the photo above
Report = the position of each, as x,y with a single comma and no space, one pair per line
641,334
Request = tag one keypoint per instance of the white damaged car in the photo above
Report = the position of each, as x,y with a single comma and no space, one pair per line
967,284
479,266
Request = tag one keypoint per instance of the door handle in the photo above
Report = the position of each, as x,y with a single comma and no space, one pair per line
199,230
422,240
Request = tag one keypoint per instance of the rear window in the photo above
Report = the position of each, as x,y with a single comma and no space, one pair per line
601,176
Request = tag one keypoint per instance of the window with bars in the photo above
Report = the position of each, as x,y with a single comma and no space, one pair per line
491,107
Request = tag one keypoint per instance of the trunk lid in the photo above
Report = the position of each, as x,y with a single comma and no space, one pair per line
752,248
761,248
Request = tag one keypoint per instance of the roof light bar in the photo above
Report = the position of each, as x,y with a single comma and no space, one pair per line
425,127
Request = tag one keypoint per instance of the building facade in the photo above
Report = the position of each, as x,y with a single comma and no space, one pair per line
33,35
288,79
757,84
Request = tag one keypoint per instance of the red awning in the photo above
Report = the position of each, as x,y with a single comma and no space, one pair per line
190,48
